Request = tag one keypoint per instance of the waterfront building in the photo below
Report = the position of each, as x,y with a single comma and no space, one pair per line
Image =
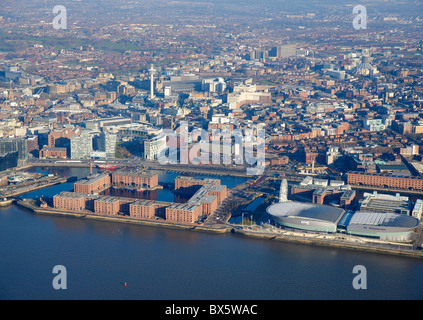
12,145
8,160
93,184
107,144
73,201
188,182
317,218
134,180
203,203
304,216
183,212
107,205
81,146
383,226
69,201
148,209
153,147
218,191
207,202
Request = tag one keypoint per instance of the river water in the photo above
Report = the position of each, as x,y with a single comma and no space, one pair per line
168,264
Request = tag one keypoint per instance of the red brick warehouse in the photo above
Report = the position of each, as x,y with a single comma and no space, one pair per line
385,181
94,184
123,179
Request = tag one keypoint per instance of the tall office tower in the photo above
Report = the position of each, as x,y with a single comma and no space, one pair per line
283,193
8,161
107,143
81,146
152,72
153,147
258,54
284,51
13,145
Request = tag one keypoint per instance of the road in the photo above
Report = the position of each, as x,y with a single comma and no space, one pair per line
137,164
238,170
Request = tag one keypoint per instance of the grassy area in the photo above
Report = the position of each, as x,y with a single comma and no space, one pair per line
126,150
122,152
9,44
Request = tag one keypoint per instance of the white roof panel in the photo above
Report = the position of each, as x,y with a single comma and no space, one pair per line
383,219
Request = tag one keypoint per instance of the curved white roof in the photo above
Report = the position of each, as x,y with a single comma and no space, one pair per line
305,210
384,219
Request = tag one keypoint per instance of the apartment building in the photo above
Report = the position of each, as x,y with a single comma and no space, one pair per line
122,179
148,209
93,184
69,201
183,212
187,182
107,205
385,181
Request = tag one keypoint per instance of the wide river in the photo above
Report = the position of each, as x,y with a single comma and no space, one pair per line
167,264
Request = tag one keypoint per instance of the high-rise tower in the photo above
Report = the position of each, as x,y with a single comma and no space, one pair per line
152,72
283,193
11,94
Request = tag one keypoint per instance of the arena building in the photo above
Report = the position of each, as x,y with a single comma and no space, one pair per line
384,226
306,216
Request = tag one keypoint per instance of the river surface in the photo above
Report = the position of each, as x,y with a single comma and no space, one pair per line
168,264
